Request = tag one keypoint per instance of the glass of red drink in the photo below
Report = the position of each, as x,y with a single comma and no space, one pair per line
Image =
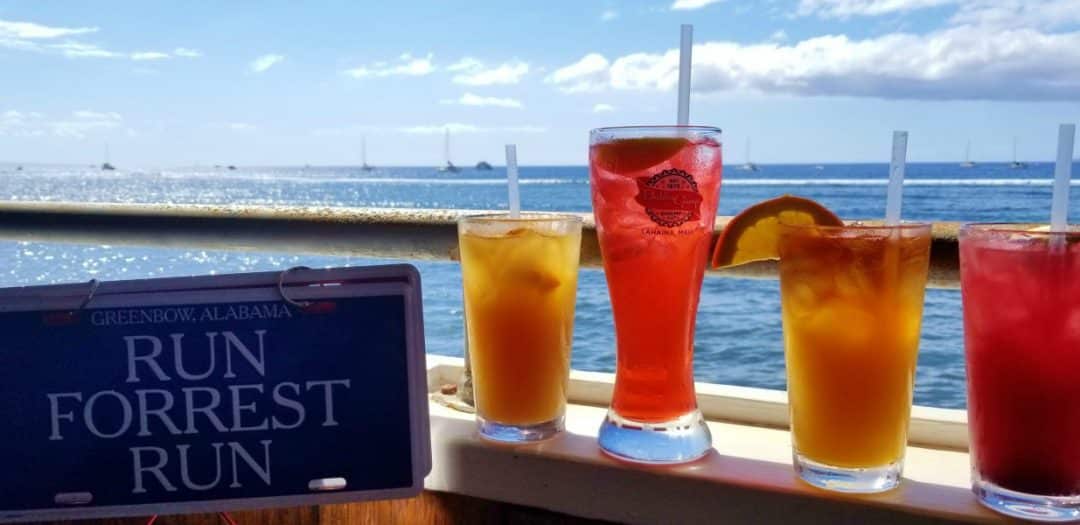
1021,295
654,193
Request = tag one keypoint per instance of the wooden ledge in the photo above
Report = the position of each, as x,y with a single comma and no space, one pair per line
747,478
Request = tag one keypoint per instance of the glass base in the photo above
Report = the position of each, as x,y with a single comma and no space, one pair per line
677,441
855,480
519,433
1026,506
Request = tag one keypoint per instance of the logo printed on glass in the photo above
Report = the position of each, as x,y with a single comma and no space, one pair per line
670,197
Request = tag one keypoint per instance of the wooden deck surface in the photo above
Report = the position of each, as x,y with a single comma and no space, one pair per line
429,508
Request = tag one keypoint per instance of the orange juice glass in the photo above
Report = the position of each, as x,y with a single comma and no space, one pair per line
520,280
852,299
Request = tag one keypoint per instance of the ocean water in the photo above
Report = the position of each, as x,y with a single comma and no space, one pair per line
738,331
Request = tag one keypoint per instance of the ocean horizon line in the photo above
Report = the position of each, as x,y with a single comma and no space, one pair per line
728,166
273,176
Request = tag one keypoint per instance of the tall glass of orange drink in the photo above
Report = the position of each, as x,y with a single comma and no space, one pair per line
852,299
654,194
520,280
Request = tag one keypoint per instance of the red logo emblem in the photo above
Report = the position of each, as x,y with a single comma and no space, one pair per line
670,197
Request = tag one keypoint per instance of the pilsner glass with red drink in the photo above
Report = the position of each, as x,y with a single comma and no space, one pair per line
655,191
1021,294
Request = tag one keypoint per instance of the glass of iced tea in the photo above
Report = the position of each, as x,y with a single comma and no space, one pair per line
1021,295
852,299
654,192
520,280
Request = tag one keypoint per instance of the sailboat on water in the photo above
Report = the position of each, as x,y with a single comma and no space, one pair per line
1015,164
967,157
105,166
748,165
363,155
448,166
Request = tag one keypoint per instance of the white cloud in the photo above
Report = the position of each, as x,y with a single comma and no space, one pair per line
32,31
588,74
29,36
234,126
609,15
453,127
149,55
261,64
95,115
779,36
465,64
83,50
80,50
963,62
472,72
79,129
469,99
848,8
19,124
603,108
356,130
692,4
11,119
407,65
15,43
459,128
468,71
187,53
522,129
78,125
1044,14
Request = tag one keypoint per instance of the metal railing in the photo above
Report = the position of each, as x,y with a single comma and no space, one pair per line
359,232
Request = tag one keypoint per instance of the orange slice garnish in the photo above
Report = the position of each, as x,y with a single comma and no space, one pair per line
628,155
754,234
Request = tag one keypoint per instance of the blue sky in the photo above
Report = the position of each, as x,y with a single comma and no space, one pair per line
245,82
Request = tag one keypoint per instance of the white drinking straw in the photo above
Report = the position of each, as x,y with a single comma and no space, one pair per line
686,47
512,180
1059,209
896,178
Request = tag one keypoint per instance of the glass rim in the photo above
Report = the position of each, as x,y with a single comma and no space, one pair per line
861,227
523,217
665,127
1021,228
